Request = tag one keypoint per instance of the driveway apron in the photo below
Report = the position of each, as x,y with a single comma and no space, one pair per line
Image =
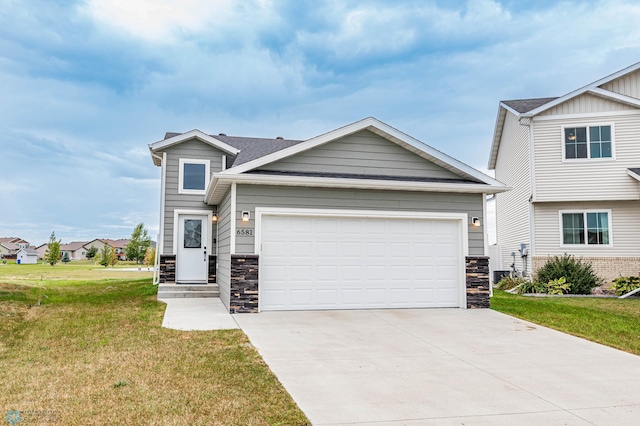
442,367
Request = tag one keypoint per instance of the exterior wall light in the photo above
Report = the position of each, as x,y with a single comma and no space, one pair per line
246,216
214,218
475,221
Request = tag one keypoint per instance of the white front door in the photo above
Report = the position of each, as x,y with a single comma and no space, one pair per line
192,256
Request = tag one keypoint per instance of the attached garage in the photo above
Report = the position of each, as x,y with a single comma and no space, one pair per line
313,259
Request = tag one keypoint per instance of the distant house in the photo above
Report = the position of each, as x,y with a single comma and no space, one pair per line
118,245
9,246
76,250
42,250
27,256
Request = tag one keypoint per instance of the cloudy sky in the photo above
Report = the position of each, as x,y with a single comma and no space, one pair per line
86,85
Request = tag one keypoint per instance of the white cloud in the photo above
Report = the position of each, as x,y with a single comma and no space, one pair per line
159,20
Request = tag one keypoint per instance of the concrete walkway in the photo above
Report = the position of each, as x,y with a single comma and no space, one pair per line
197,314
443,367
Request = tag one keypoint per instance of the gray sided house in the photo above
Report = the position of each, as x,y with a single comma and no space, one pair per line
360,217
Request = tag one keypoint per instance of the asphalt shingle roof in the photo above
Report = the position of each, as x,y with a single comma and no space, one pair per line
359,176
526,105
252,148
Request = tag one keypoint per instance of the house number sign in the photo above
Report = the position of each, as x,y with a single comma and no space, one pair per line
244,232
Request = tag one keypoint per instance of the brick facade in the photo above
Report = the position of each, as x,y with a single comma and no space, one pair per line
607,268
477,276
167,268
244,283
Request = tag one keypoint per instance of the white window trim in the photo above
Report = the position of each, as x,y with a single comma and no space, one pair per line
584,212
588,159
461,218
207,175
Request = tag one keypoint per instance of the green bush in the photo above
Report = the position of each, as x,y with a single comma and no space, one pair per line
626,284
575,271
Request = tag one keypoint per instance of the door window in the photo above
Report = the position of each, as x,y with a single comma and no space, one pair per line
192,233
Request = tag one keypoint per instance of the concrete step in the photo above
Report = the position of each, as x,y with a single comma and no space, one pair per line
187,294
187,287
173,291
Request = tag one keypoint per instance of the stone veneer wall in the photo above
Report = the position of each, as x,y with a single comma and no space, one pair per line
167,268
607,268
477,271
244,283
211,279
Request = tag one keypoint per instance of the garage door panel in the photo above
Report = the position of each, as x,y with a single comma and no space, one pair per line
355,263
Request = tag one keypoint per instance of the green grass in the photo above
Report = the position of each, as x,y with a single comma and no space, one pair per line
612,322
94,352
63,273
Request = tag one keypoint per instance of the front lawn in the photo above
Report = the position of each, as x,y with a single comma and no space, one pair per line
94,352
75,270
612,322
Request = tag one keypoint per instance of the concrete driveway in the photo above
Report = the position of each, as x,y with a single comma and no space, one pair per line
443,367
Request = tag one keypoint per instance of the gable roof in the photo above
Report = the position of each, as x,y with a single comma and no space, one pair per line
528,108
73,246
381,129
526,105
29,252
176,138
245,171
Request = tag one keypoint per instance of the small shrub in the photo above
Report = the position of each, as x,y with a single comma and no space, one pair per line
559,286
529,287
576,271
119,384
626,284
509,283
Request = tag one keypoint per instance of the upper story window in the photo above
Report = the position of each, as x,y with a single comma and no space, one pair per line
596,232
588,142
193,176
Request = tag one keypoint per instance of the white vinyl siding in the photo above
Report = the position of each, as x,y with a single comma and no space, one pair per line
624,232
512,207
363,153
628,85
586,179
585,104
251,196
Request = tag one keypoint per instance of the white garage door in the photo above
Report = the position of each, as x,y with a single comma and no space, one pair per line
311,262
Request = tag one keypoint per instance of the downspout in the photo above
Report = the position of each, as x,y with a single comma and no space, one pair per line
160,243
532,187
485,235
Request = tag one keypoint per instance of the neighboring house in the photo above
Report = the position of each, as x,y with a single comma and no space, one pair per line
118,245
75,250
9,246
27,256
574,164
364,216
42,250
